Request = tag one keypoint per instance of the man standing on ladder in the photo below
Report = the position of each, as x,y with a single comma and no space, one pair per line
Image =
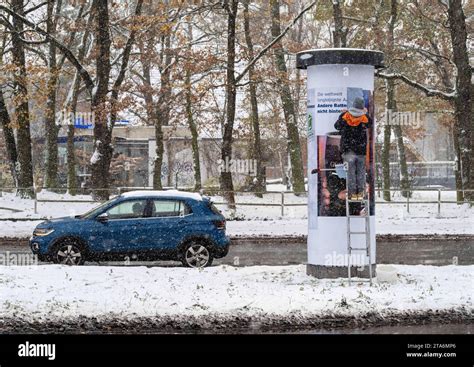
353,125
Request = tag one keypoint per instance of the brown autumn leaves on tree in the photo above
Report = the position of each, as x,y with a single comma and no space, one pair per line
218,68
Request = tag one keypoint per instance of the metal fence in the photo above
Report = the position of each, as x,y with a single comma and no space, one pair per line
281,203
408,201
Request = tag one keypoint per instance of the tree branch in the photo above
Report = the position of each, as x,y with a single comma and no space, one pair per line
36,7
276,40
127,50
428,91
65,50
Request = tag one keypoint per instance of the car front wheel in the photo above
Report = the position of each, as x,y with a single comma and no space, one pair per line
69,253
196,255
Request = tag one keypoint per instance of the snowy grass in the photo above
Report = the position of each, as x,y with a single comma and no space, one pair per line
55,293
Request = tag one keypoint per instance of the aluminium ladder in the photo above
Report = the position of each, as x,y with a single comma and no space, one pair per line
366,201
366,216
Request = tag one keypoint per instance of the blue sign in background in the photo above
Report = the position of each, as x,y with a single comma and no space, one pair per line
81,123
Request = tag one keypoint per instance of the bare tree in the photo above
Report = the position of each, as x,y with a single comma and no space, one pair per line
51,128
100,161
460,96
6,123
340,32
256,141
70,104
190,117
288,105
22,111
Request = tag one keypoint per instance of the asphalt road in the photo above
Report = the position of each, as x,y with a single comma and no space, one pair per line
410,250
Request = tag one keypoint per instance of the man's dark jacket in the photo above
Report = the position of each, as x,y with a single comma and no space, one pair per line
353,138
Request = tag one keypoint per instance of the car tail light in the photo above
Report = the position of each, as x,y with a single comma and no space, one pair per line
220,224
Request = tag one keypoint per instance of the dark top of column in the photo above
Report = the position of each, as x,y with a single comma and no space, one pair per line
339,56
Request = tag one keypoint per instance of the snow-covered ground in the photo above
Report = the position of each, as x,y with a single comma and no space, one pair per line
59,293
263,220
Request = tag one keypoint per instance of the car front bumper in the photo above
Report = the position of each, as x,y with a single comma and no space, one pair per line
39,245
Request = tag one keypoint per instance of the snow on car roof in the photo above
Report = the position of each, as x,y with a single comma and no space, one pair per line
165,193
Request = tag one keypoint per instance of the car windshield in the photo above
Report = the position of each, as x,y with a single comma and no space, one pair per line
93,212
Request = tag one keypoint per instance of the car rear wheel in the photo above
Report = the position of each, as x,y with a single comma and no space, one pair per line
196,255
69,252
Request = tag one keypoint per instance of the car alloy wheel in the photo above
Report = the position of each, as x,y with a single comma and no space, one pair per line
197,256
69,255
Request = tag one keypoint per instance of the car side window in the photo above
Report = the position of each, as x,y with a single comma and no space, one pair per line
127,209
169,208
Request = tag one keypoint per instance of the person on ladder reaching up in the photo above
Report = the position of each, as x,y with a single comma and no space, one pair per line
353,125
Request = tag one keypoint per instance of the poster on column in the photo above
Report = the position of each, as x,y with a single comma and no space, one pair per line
345,134
312,158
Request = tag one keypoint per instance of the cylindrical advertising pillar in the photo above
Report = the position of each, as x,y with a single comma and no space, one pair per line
341,138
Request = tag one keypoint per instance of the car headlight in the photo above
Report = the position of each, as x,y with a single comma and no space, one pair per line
41,232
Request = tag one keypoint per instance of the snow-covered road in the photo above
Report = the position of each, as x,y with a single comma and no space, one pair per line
58,293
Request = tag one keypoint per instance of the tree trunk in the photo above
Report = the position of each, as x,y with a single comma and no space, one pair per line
71,162
158,164
339,33
257,147
100,161
457,161
404,177
51,128
392,105
190,118
463,103
397,130
71,106
194,139
9,137
162,111
71,154
226,184
294,148
22,113
151,113
387,131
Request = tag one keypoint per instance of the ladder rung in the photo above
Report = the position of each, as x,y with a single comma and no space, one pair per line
358,233
356,201
358,249
358,216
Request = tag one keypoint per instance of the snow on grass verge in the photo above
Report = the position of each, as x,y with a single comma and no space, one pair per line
224,294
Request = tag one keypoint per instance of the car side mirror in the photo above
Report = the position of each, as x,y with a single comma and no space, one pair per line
104,217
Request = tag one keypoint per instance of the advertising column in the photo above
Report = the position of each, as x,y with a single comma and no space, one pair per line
341,126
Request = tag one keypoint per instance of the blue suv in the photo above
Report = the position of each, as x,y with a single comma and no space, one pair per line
148,225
